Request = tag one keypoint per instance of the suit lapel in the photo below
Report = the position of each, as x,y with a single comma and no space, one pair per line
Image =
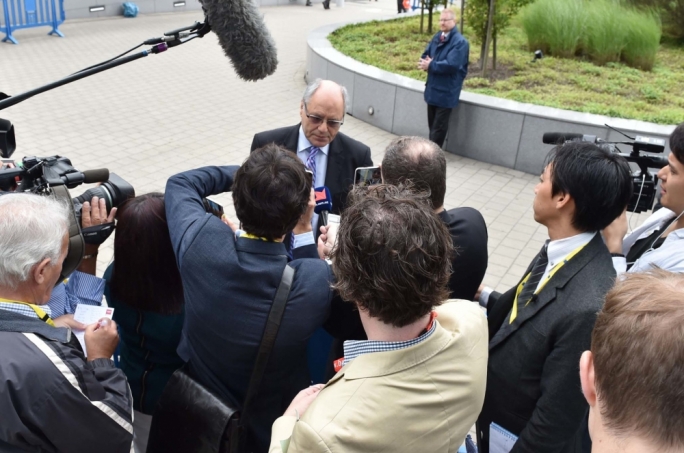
292,139
548,293
334,166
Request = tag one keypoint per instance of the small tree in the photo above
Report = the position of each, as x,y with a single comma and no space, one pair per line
477,17
430,6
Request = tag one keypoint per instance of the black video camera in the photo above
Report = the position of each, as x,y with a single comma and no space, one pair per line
645,182
53,176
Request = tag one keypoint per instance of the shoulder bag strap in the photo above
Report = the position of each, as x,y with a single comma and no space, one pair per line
275,316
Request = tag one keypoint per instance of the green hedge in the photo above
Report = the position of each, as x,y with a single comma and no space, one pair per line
603,30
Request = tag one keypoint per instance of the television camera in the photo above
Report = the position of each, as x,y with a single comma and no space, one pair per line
53,176
645,182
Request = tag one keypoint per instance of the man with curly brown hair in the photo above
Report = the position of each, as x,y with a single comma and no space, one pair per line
417,383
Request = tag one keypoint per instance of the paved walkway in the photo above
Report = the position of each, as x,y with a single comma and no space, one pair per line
185,108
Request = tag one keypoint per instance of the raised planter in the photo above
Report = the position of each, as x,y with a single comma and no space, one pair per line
484,128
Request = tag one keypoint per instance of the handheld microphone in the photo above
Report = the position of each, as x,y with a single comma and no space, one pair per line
243,36
323,203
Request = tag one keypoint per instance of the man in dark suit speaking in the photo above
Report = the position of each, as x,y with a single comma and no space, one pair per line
318,142
422,162
539,328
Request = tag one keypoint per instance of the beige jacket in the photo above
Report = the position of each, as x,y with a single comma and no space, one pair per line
423,398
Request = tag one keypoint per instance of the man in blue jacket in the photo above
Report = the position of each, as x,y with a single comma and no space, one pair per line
446,61
230,280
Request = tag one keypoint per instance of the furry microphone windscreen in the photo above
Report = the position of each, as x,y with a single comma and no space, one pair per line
243,36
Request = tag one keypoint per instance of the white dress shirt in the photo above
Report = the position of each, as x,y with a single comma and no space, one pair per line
303,151
670,254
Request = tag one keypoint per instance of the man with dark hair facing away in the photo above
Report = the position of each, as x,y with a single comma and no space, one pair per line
539,328
656,243
423,163
230,280
632,377
417,383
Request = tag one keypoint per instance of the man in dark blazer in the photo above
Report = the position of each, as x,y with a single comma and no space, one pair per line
230,280
423,163
539,329
336,156
446,61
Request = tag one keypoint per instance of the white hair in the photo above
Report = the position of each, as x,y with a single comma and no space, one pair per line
313,86
32,228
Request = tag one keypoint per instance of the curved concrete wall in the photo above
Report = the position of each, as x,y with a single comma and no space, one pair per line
484,128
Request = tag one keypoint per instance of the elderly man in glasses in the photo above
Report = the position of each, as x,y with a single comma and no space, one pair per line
331,156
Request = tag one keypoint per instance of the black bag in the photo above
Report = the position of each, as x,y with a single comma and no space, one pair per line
189,418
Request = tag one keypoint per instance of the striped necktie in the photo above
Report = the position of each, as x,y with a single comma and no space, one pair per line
535,277
311,161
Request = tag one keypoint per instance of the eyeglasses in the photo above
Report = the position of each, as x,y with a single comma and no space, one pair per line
446,20
317,120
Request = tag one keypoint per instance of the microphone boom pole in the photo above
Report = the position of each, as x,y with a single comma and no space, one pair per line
198,30
14,100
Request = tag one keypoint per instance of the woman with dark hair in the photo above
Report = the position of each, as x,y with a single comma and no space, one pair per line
144,287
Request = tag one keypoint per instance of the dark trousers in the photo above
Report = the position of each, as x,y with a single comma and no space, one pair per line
438,122
400,6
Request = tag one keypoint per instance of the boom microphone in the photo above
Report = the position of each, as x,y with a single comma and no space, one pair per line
243,36
323,203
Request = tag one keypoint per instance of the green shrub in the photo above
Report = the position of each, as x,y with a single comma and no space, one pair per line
606,31
603,30
554,26
642,40
671,12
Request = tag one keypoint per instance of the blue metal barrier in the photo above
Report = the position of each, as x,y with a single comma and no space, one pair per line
31,13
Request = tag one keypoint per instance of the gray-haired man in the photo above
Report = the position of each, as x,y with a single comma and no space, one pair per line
52,398
331,155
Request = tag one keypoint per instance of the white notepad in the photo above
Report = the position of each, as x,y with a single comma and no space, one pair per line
500,440
89,314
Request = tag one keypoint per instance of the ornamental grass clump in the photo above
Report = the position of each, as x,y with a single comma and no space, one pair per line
603,31
554,26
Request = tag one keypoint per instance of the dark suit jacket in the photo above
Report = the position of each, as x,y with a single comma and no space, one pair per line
229,286
344,157
469,233
533,386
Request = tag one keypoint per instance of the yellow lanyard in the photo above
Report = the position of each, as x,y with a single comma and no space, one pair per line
256,238
514,310
39,311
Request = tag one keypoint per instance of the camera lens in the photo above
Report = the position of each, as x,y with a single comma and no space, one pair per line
115,191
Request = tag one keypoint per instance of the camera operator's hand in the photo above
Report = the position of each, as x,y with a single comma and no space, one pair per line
96,214
93,215
304,224
101,339
614,233
68,321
